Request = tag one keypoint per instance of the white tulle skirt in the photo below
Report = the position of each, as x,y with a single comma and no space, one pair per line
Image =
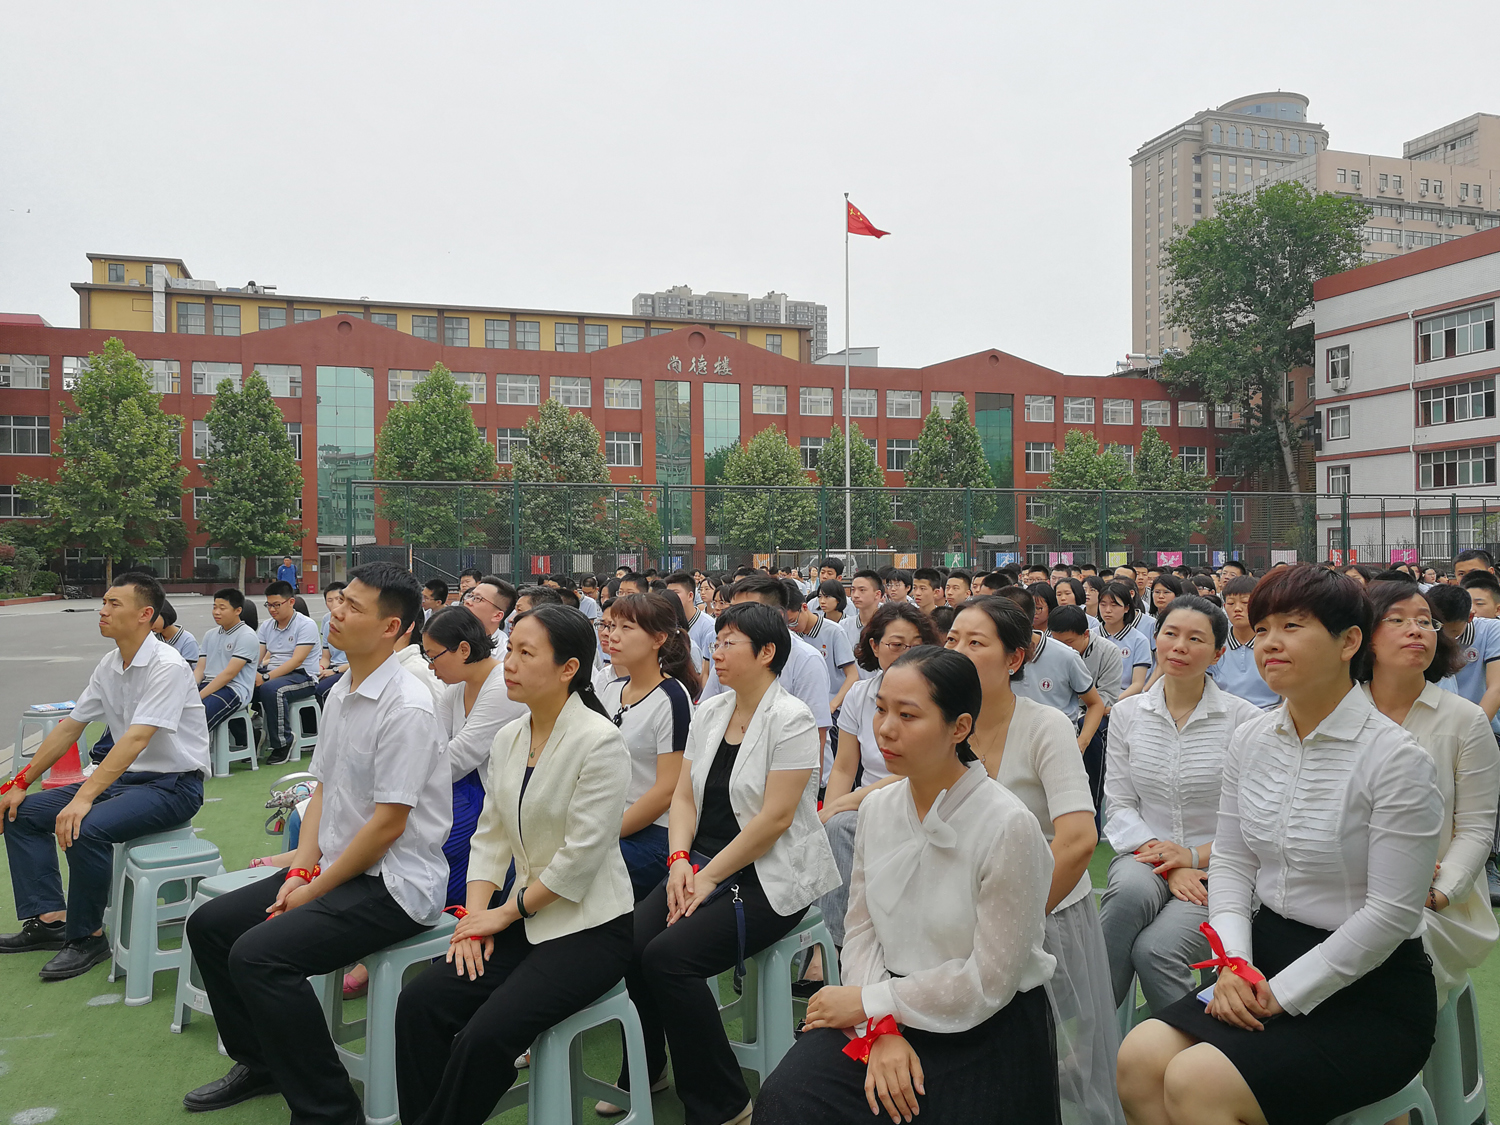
1088,1034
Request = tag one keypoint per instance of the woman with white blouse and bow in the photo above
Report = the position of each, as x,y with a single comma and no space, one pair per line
1408,656
1330,815
1161,791
943,1009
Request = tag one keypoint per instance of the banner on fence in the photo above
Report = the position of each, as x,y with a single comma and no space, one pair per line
631,561
1288,557
1007,558
955,559
1406,555
1220,557
1168,558
1059,558
1337,557
1115,558
905,562
758,561
675,562
541,564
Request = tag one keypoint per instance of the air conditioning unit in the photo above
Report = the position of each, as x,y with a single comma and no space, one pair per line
1340,383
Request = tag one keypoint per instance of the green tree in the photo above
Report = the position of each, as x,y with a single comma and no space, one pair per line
871,511
118,488
949,456
1179,505
1242,286
434,437
636,518
252,475
1080,471
563,447
770,504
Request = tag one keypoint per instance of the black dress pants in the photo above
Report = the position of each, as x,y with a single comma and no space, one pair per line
255,971
457,1039
668,981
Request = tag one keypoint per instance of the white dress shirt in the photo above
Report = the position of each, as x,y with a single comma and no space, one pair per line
470,736
1338,830
156,690
953,906
857,720
1161,783
381,744
413,661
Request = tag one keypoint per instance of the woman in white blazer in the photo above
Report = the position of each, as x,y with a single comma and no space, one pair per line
556,786
745,843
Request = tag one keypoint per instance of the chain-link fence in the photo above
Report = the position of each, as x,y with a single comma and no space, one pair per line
522,530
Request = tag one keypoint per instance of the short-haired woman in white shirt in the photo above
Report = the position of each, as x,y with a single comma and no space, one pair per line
1408,655
1161,788
1330,815
563,938
1032,750
944,967
747,848
652,704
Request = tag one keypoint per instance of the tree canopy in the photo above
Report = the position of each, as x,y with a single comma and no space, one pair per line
755,512
562,447
949,455
1180,509
871,511
1080,470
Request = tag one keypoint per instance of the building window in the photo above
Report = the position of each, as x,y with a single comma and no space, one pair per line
1126,452
294,435
423,327
200,440
1037,510
810,448
944,401
208,376
518,390
301,315
768,400
631,333
226,320
1338,363
595,337
1239,507
1078,410
573,390
507,441
1227,416
25,372
272,318
565,337
660,331
350,312
1338,478
622,394
816,402
116,273
773,342
13,506
1192,414
903,404
1193,458
165,375
1119,412
190,318
1156,412
401,385
456,331
282,379
861,403
22,433
1396,183
1338,422
385,320
622,449
1224,465
1460,333
1039,408
898,452
1454,468
201,499
1038,456
497,333
1458,402
529,335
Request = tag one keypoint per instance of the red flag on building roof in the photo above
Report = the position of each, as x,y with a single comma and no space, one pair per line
858,224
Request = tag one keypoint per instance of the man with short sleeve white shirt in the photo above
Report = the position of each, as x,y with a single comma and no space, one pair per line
368,872
151,780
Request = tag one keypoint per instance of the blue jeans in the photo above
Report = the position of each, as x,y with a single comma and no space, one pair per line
136,804
646,858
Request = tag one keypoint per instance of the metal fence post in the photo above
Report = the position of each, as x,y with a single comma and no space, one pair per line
1228,526
1103,527
1344,522
666,526
515,532
348,525
968,525
1453,526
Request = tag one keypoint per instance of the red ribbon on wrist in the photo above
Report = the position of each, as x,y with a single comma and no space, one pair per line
457,911
858,1048
1221,960
17,782
303,873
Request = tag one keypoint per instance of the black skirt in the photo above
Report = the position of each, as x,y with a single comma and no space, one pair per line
1364,1043
1001,1072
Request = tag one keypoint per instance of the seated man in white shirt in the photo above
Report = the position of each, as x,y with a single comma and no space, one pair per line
151,780
434,596
380,814
491,600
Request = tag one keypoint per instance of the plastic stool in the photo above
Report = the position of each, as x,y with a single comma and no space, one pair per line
224,750
190,994
1454,1074
117,874
1412,1098
375,1067
301,740
148,869
46,720
765,1008
558,1081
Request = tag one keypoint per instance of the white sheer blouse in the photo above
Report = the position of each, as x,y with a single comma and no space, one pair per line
470,736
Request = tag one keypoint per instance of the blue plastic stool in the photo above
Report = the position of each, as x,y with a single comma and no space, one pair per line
190,994
148,870
223,749
113,926
557,1080
301,738
1411,1099
1454,1074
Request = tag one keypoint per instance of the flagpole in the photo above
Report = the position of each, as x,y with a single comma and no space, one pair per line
848,492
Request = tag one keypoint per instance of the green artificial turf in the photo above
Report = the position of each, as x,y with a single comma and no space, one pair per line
74,1047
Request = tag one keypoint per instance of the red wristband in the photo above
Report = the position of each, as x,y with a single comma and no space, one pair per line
675,856
20,782
456,911
303,873
858,1048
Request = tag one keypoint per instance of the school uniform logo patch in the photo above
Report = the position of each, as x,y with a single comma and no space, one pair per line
1471,655
1046,685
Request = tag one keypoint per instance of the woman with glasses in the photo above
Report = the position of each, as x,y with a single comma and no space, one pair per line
1408,656
652,704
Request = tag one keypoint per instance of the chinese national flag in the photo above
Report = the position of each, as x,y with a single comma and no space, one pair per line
858,224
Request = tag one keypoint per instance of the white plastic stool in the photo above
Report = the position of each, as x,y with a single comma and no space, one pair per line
1412,1098
117,874
767,1026
190,994
225,750
300,711
147,870
46,720
375,1067
1454,1074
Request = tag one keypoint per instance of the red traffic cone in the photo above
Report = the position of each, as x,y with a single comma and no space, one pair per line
68,770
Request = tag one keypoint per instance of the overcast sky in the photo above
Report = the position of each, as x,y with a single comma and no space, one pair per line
569,156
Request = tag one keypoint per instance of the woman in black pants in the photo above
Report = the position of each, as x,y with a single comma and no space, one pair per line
562,940
744,818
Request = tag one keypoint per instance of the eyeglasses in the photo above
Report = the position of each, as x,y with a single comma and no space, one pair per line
894,646
475,596
274,606
724,646
1426,624
432,658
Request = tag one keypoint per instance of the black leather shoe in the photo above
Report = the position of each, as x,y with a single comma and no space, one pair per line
76,958
239,1085
34,937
